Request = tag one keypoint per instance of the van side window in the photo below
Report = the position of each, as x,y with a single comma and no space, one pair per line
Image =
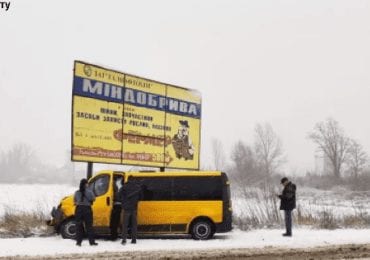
100,185
197,188
155,188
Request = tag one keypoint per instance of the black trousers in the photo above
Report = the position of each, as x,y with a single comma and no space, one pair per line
114,220
129,217
84,215
288,221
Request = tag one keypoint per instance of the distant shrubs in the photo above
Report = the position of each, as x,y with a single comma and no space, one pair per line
328,182
22,224
360,183
327,220
262,212
259,208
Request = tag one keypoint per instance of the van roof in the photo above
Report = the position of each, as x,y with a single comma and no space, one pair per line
163,174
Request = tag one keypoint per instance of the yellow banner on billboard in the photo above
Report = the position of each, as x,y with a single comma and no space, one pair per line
183,131
126,119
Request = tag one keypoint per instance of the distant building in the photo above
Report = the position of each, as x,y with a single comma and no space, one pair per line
322,163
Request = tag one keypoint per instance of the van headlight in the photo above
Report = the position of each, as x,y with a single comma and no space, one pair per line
54,212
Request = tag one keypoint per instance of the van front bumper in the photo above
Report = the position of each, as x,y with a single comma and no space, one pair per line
57,218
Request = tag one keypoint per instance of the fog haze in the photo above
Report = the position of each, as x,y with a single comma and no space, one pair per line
289,63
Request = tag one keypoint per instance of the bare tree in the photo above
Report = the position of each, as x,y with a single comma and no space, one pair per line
219,160
245,168
242,158
268,148
356,159
17,163
238,156
332,141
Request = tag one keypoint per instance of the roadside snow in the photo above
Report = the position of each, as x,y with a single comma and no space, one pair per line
303,238
40,198
311,201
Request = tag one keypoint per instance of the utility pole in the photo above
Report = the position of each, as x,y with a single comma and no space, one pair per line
89,170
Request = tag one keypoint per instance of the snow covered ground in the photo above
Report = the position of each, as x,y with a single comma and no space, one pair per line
32,197
42,197
303,238
339,201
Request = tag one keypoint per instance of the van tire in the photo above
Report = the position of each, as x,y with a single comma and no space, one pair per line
202,229
68,229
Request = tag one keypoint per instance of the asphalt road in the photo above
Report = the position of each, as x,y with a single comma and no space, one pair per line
318,253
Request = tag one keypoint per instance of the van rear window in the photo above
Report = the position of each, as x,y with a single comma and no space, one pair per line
181,188
197,188
155,188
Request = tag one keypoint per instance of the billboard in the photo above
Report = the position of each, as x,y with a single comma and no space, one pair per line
125,119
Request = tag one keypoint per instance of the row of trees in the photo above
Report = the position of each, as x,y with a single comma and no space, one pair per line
20,164
251,163
339,148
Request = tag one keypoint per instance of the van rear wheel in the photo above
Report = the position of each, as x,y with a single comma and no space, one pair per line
68,230
202,229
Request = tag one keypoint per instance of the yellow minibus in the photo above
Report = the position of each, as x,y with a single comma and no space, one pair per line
196,203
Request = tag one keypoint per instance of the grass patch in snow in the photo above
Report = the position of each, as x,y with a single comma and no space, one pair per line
14,223
257,208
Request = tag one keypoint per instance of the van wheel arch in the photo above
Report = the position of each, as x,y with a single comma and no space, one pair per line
68,229
202,228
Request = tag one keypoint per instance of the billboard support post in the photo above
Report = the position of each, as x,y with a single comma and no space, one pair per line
89,170
161,169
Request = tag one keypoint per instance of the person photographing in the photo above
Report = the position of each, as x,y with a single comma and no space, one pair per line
83,199
288,203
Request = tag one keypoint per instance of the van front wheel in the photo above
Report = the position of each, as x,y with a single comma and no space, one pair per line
201,230
68,230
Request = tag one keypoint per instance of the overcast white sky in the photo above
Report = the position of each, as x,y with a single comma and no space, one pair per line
290,63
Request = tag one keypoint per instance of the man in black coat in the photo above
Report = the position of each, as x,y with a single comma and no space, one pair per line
287,203
83,200
116,210
131,194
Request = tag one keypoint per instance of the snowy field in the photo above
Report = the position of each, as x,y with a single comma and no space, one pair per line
32,197
339,202
42,197
303,238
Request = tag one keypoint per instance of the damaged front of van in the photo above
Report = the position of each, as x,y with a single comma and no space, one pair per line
63,218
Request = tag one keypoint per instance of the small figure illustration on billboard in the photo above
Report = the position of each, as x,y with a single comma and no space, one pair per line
182,143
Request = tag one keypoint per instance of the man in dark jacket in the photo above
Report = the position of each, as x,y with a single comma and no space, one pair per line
131,194
116,210
83,200
287,203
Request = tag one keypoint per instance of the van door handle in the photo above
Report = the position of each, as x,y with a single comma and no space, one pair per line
108,201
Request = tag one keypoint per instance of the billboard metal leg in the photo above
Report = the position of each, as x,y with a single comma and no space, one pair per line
89,170
161,169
